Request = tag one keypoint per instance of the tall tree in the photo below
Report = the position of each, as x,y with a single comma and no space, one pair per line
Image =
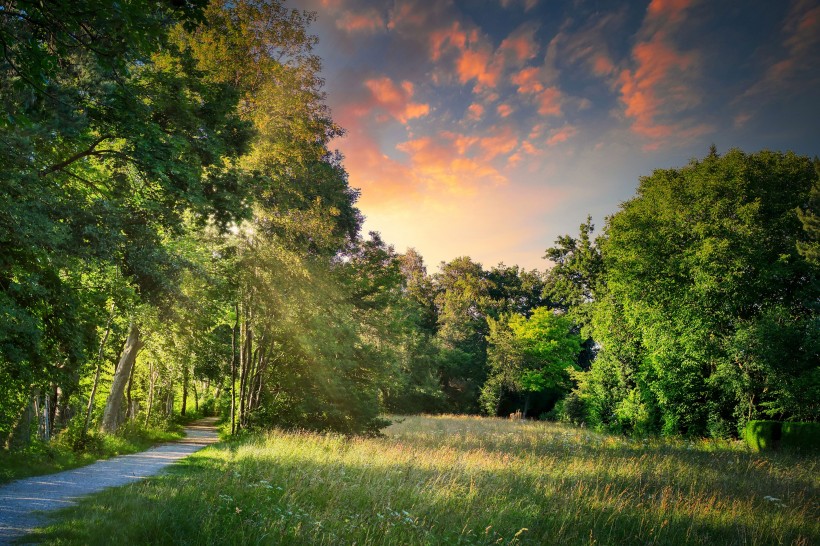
710,316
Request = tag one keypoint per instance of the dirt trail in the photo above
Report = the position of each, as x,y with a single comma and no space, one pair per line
20,499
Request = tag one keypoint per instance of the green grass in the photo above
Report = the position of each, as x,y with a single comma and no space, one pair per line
46,458
460,480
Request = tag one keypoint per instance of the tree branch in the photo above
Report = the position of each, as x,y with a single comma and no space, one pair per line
76,157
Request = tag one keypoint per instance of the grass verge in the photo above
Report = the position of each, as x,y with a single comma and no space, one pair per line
48,457
460,480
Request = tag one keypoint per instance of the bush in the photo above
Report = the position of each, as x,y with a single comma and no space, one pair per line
763,435
802,436
73,437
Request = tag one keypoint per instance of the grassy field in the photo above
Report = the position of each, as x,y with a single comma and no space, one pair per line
460,480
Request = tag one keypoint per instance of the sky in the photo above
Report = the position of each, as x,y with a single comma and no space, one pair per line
489,128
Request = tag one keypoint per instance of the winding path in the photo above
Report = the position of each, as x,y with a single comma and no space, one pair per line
22,500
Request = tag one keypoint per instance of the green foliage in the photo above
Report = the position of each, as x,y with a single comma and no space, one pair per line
809,244
707,315
72,449
763,435
529,356
801,436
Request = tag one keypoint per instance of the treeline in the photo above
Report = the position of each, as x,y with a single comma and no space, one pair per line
177,236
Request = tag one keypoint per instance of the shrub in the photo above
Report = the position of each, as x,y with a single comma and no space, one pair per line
802,436
763,435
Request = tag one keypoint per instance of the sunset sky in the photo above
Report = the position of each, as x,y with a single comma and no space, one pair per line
489,128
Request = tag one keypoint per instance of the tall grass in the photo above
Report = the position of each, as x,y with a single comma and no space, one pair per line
461,480
64,452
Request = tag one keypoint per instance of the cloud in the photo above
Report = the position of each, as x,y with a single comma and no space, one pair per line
795,67
452,36
395,99
530,82
383,180
527,4
653,84
475,111
671,10
478,65
436,163
499,141
369,21
520,46
561,134
504,110
549,102
658,89
589,44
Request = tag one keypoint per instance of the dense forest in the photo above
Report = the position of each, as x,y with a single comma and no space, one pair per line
177,236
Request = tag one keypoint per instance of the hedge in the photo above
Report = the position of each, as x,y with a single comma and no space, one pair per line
765,435
802,436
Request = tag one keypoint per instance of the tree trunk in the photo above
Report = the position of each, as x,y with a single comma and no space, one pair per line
129,413
245,355
151,386
20,436
184,388
196,396
233,369
111,414
97,373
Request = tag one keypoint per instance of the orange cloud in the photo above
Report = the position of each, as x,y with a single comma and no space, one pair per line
369,21
452,36
549,102
500,142
436,163
396,99
528,81
801,42
653,84
659,89
479,66
521,44
561,135
671,10
475,111
406,15
382,179
504,110
602,65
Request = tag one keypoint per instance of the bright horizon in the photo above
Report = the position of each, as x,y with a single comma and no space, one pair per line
489,129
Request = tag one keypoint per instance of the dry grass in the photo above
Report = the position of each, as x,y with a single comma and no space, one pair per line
461,480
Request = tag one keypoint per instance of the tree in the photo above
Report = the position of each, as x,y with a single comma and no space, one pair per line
531,356
709,316
463,303
575,281
809,245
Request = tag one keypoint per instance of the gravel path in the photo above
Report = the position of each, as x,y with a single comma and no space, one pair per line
19,500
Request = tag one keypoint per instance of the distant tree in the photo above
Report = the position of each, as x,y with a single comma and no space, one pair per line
463,303
515,290
530,356
575,281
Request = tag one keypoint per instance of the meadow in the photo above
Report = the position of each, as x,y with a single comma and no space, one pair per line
460,480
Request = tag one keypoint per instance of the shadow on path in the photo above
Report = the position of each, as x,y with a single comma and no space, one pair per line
19,500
